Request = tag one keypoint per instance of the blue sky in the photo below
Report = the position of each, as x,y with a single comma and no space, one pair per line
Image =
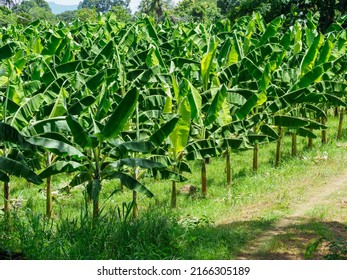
133,3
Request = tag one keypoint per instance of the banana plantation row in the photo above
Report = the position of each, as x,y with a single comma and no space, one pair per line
109,101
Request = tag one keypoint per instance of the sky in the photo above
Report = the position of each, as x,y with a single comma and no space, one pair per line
133,3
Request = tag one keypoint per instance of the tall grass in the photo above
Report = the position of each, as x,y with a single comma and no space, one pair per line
155,235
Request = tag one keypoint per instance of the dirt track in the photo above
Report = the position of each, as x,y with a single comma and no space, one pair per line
289,236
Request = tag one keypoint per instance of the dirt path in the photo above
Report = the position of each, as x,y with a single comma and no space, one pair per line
288,237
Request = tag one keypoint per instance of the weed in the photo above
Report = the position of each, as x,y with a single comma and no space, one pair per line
337,248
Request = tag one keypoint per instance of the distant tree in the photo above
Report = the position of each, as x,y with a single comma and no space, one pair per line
155,8
10,3
28,11
117,13
86,14
6,16
25,6
328,9
103,6
121,13
268,8
197,10
67,16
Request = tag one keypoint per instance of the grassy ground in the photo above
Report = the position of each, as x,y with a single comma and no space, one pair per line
219,226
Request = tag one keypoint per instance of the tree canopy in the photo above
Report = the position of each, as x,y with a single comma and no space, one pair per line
197,10
155,8
104,6
328,10
6,16
28,11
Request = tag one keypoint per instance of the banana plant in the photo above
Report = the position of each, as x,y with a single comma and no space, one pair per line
198,84
13,143
247,63
301,79
90,155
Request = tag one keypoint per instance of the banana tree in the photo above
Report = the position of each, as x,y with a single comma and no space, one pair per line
201,146
90,154
13,143
247,65
300,83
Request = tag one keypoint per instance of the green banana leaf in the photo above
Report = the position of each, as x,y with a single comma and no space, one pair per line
132,183
230,143
8,50
180,134
12,135
289,121
60,167
121,115
216,105
56,147
58,125
269,131
304,132
201,149
134,162
140,146
18,169
159,136
80,136
80,178
26,111
4,178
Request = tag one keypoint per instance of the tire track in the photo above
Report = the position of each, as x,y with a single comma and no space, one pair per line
316,196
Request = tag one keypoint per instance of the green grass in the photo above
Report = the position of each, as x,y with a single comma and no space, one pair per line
214,227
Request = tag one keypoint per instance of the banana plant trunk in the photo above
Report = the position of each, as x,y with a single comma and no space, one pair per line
96,207
336,111
96,184
49,204
135,206
228,168
255,157
7,206
339,132
173,191
310,141
203,177
173,195
324,131
278,146
294,145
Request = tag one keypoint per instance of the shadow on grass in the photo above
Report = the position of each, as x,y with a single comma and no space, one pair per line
310,239
161,237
